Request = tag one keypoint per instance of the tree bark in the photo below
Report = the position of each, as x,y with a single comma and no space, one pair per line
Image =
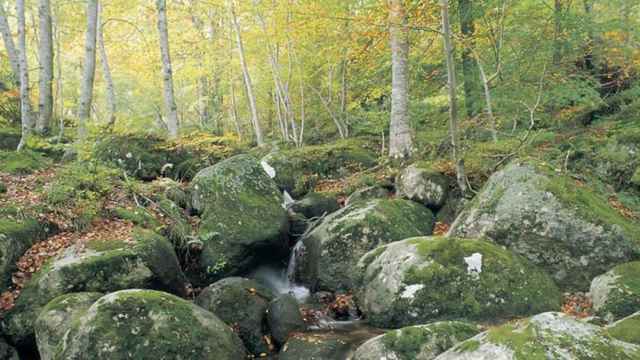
25,106
255,120
453,107
106,72
400,142
45,52
89,69
472,91
12,53
167,72
557,44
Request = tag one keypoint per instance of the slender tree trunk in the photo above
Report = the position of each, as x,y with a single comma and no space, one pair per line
589,61
167,72
12,53
89,70
25,105
45,51
453,107
400,142
255,120
108,79
234,111
557,43
59,88
488,101
472,91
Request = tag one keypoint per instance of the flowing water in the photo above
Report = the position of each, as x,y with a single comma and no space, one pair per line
277,280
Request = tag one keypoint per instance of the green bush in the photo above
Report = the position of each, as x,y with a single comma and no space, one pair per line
23,162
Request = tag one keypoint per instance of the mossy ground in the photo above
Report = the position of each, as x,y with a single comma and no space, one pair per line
627,329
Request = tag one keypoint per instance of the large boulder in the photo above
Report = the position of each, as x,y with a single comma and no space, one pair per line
316,204
427,187
242,304
544,336
616,293
242,216
556,223
328,255
284,318
147,324
16,237
100,266
419,342
627,329
56,318
430,278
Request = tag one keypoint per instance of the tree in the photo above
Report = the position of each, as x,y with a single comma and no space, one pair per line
255,119
453,107
89,69
167,72
8,42
472,90
400,142
25,106
45,52
106,72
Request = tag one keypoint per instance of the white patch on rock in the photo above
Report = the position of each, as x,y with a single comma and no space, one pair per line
411,290
474,264
268,169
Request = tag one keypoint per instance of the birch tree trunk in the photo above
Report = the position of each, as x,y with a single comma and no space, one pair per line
400,142
45,52
25,106
12,53
255,120
59,88
453,107
472,91
89,69
167,72
108,79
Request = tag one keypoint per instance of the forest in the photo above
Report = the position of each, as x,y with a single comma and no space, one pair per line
320,179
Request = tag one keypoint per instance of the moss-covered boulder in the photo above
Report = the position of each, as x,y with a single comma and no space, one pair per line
427,187
368,193
328,256
16,237
56,318
284,318
242,216
423,342
430,278
616,293
101,266
7,352
297,169
556,223
316,204
9,138
626,329
314,346
242,304
147,324
544,336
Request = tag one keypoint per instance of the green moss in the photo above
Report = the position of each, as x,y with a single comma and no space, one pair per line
16,236
372,256
106,245
627,329
408,343
467,346
521,338
138,216
591,205
23,162
624,298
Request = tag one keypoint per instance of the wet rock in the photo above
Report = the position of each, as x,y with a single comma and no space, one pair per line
284,318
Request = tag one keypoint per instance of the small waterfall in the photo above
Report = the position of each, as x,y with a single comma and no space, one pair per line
296,252
278,281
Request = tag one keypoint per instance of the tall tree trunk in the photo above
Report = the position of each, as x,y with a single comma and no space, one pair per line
89,70
59,88
12,53
472,91
400,142
589,61
25,106
45,52
255,120
108,79
167,72
234,111
453,107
